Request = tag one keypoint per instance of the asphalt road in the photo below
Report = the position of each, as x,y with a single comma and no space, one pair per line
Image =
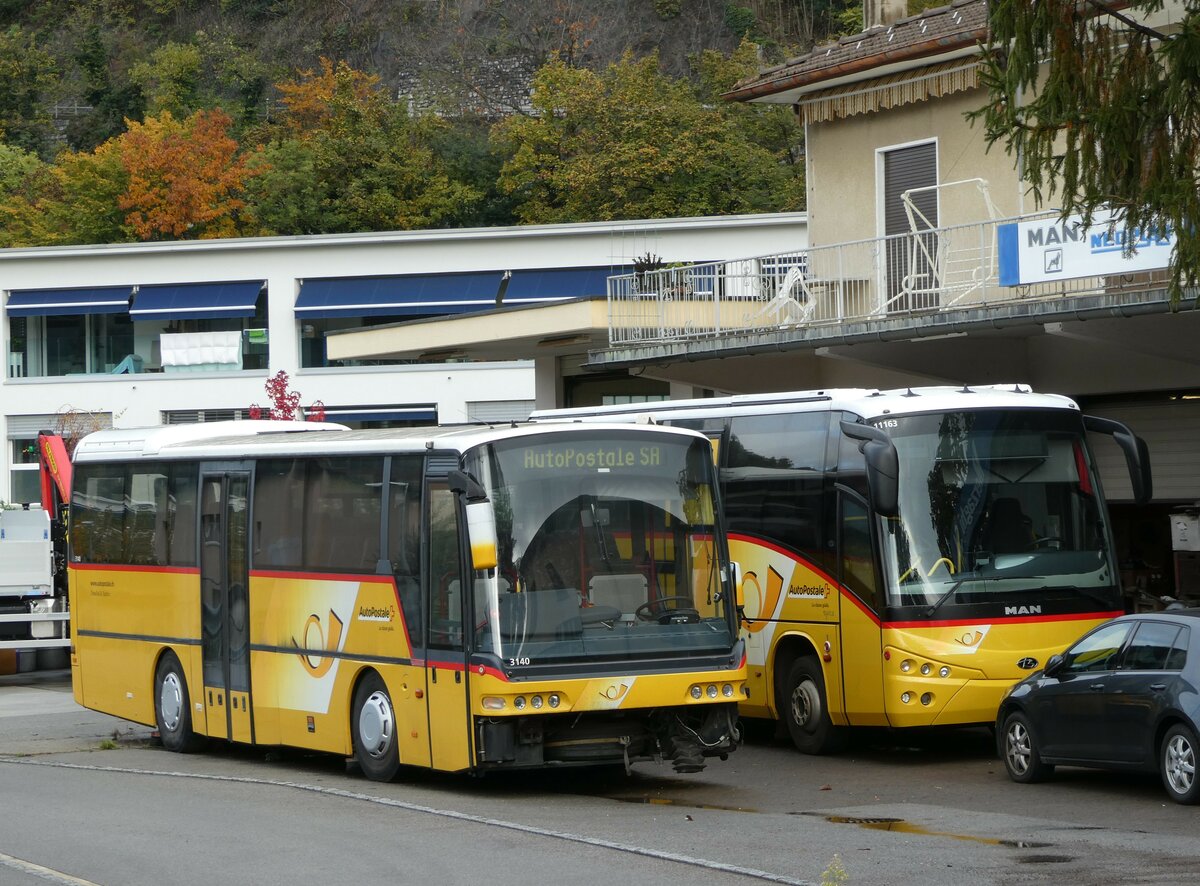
88,799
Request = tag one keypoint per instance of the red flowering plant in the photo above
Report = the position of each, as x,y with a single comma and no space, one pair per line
285,403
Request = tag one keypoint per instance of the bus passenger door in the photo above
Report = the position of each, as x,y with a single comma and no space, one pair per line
450,721
225,605
862,641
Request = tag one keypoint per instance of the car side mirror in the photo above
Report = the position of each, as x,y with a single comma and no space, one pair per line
1054,664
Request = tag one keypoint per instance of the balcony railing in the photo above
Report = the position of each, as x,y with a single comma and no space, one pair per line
922,272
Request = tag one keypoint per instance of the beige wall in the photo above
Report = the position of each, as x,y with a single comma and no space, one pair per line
843,203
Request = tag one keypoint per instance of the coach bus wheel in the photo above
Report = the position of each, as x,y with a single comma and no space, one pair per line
374,730
172,707
806,712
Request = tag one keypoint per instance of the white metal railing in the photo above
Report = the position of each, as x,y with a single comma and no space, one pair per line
920,272
32,618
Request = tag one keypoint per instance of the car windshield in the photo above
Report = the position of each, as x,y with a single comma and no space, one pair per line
607,548
992,503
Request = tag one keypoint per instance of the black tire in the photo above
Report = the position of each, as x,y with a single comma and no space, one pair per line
373,727
804,709
173,707
1177,764
1019,750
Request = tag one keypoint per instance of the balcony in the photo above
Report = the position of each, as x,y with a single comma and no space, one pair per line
938,279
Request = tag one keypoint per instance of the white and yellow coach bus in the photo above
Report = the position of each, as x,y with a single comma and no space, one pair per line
284,583
909,554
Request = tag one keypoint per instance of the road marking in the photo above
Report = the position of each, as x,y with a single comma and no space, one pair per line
533,830
36,870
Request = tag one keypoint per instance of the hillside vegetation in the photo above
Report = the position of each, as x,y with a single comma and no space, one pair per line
164,119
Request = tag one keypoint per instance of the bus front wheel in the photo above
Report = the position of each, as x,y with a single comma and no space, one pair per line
806,711
374,730
173,708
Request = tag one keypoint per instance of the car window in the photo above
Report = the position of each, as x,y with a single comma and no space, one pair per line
1150,647
1177,657
1098,650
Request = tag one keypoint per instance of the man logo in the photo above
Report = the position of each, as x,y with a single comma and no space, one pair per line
1022,610
1027,664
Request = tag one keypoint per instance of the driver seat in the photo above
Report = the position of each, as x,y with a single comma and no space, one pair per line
1011,529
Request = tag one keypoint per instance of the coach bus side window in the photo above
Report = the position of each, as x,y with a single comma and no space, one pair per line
181,520
146,514
445,571
774,477
98,520
856,554
344,504
404,537
279,514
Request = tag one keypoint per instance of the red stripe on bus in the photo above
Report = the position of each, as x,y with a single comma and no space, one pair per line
369,578
1003,619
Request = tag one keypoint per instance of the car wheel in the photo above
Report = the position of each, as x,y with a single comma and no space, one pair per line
1177,763
1021,756
173,708
374,730
806,712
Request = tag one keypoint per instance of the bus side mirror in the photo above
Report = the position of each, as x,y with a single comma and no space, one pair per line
481,520
1137,454
883,466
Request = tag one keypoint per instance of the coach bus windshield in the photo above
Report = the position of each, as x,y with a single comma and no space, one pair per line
994,505
607,548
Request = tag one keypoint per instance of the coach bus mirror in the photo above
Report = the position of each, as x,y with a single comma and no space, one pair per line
481,530
1137,454
462,483
883,466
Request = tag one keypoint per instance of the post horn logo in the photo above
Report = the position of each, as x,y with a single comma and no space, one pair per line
314,662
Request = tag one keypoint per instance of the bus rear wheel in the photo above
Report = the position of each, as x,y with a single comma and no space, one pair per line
806,711
374,730
173,708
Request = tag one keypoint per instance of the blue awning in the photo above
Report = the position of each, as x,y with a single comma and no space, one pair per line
423,413
191,301
555,284
421,294
60,302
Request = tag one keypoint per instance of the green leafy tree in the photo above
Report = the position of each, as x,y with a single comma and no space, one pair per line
170,79
629,142
346,158
29,82
107,91
1102,111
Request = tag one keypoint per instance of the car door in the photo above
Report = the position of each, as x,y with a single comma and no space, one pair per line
1069,707
1138,692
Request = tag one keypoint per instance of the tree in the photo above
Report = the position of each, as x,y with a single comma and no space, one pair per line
345,158
630,142
184,177
1102,111
285,403
28,85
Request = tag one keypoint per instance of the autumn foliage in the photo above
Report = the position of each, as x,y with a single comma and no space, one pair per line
285,403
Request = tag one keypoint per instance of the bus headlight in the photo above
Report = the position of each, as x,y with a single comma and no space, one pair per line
944,672
906,666
553,700
712,691
697,692
493,703
927,698
536,701
727,691
519,702
906,697
926,669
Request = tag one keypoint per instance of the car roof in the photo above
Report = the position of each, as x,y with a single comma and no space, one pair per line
1181,615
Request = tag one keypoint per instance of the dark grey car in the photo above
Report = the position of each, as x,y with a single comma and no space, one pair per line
1126,695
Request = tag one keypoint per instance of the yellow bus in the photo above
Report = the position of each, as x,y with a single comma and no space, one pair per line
287,583
907,555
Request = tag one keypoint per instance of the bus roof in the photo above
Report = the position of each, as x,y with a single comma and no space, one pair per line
868,403
234,440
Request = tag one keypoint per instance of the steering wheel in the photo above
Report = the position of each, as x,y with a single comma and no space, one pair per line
688,614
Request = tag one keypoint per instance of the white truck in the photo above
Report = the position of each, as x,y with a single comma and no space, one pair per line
33,613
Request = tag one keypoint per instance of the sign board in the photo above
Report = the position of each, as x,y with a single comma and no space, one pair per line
1051,249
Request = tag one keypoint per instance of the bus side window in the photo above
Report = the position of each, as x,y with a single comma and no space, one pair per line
855,554
404,537
445,571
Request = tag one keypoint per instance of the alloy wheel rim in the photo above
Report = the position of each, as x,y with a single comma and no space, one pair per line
1019,750
1180,764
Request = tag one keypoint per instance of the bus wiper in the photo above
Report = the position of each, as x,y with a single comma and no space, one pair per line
950,593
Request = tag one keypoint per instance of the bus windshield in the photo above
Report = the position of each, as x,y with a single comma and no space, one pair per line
607,547
995,503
